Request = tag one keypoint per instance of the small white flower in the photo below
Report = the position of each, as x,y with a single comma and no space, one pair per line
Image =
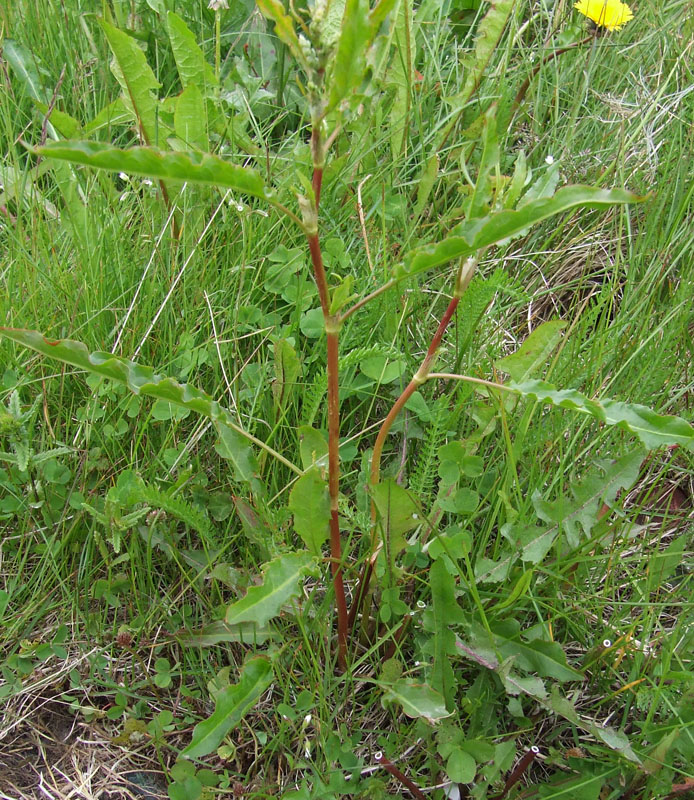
218,5
307,719
549,160
123,176
147,182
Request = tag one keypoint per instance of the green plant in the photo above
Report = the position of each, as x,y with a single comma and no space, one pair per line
495,209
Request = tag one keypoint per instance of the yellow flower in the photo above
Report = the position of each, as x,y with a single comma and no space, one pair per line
611,14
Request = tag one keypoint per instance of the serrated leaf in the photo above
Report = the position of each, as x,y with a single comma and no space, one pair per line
190,60
653,429
309,501
444,612
148,161
231,705
417,700
470,236
281,582
532,355
139,379
137,81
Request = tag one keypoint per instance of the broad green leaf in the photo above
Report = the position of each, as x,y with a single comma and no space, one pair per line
383,369
150,162
472,235
233,447
284,27
139,379
653,429
379,13
417,700
137,81
190,60
23,64
218,632
460,766
310,503
114,113
532,355
281,582
547,659
332,23
313,447
190,119
231,705
398,514
350,59
68,127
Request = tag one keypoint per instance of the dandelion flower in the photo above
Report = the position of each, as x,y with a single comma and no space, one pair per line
610,14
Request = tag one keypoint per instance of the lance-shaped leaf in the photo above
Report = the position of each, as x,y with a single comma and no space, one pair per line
137,81
310,503
470,236
488,35
190,60
232,703
153,163
533,354
417,700
139,379
281,582
350,59
653,429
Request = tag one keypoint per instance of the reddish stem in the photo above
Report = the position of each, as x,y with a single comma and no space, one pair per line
395,772
332,328
334,485
517,773
419,378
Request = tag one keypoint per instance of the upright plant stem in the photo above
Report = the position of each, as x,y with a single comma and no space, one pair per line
332,327
418,379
